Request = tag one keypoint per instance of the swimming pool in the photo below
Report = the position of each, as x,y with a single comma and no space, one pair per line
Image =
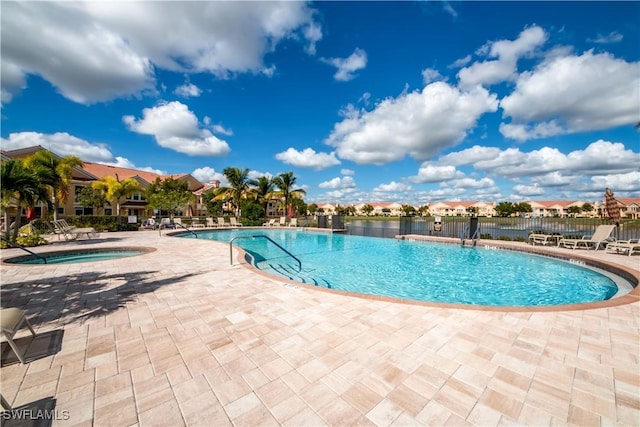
77,256
422,271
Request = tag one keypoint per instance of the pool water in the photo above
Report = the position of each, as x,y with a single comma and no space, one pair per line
423,271
77,257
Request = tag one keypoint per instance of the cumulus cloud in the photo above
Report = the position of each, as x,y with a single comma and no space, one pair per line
112,48
308,158
430,75
599,157
339,182
507,52
348,66
429,172
188,90
629,182
529,190
569,94
60,143
346,171
175,127
392,187
207,174
418,124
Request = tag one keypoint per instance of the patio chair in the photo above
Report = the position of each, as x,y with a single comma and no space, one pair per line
624,246
293,222
600,238
544,239
195,223
63,228
283,221
234,222
11,320
270,223
166,223
209,222
221,222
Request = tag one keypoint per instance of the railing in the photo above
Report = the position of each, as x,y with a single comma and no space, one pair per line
15,245
186,228
262,236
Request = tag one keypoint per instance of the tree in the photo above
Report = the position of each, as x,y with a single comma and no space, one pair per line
238,187
312,208
168,194
285,183
504,208
89,197
522,207
213,207
587,207
115,190
408,210
424,210
472,210
574,210
263,191
59,180
21,186
367,209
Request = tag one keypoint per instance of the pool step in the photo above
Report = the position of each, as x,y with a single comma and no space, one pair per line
303,276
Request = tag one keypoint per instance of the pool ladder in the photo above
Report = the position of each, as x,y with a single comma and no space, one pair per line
471,240
15,245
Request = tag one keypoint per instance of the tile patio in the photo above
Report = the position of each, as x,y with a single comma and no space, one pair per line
178,337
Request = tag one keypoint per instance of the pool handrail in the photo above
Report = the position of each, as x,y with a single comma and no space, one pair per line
15,245
186,228
262,236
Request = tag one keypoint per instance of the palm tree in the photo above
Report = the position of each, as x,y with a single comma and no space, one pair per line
285,182
263,191
238,187
22,187
116,190
60,177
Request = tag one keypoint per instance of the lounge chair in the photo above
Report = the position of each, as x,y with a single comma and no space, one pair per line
11,320
270,223
234,222
177,221
195,223
600,238
624,246
221,222
209,222
166,223
283,221
62,228
544,239
293,222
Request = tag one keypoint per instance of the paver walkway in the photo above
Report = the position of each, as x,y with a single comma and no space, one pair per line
180,337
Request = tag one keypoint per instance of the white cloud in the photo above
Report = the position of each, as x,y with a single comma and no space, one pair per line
221,130
429,172
418,124
461,62
599,157
571,94
339,182
207,174
175,127
529,190
188,90
392,187
449,9
308,158
348,66
349,172
629,182
612,37
507,52
430,75
111,48
123,162
60,143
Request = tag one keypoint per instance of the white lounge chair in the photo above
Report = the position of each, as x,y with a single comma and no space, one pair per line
283,221
600,238
270,223
293,222
195,223
628,247
11,320
64,229
209,222
221,222
234,222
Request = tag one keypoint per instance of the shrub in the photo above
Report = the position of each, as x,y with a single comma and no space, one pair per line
31,240
506,238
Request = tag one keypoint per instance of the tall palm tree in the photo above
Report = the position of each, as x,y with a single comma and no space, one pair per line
263,191
60,177
116,190
238,187
21,187
285,183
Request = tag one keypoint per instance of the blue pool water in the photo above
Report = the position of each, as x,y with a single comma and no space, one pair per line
423,271
76,257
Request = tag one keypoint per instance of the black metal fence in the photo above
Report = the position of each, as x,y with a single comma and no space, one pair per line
491,228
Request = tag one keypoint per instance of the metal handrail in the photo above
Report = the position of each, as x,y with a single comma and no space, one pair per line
262,236
186,228
15,245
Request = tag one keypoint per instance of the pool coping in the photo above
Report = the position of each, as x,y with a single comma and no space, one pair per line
632,276
14,260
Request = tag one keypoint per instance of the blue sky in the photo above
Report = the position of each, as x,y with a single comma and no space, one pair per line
412,102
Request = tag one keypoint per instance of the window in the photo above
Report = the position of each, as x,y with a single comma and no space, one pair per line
137,197
108,211
84,211
61,210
